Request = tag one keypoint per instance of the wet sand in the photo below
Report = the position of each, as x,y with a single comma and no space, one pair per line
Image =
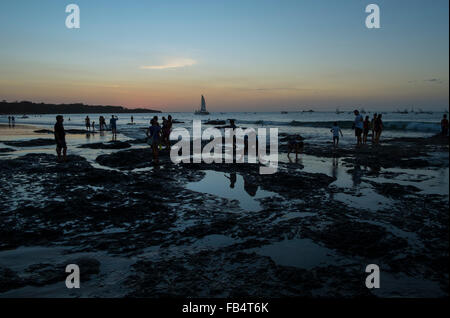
190,230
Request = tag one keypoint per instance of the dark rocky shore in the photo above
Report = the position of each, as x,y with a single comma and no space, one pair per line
165,228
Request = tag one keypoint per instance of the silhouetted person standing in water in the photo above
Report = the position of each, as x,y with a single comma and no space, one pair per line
153,133
101,122
359,126
113,124
60,138
372,124
87,121
444,126
366,129
336,130
378,129
166,129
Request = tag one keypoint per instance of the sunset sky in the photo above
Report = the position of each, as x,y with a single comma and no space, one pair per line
260,55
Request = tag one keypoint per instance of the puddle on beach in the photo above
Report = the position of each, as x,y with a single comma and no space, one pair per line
302,253
231,186
208,242
108,283
403,286
332,167
429,181
365,199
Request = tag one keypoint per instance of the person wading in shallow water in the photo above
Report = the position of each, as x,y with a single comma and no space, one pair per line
366,129
372,125
166,129
444,125
336,130
359,126
88,123
378,129
60,138
113,124
153,133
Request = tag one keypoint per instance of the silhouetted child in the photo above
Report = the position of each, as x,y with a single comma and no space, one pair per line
336,131
295,144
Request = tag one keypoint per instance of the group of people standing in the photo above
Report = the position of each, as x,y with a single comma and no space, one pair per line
60,134
11,120
362,127
102,123
158,136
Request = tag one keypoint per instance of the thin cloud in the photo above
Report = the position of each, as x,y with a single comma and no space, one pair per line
175,63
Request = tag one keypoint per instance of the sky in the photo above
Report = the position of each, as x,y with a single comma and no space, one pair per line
243,55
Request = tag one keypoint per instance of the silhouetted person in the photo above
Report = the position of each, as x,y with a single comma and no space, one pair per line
359,126
366,129
88,123
444,125
113,124
166,129
372,124
154,133
60,138
378,128
132,119
336,130
101,121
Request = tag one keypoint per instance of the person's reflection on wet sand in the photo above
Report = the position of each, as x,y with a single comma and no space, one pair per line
250,187
334,167
297,160
356,175
232,179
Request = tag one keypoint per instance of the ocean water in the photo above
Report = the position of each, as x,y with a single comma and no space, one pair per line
314,126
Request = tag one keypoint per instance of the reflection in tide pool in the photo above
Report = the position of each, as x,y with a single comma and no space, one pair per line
303,253
239,188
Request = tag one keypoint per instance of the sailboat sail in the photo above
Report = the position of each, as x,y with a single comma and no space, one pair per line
202,110
203,107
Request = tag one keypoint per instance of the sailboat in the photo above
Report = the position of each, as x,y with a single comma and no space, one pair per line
202,110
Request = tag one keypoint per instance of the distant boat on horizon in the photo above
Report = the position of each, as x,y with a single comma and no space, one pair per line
401,112
420,111
202,110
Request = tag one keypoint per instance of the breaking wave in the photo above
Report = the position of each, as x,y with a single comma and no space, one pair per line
388,125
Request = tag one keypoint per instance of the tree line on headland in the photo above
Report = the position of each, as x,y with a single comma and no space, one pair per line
26,107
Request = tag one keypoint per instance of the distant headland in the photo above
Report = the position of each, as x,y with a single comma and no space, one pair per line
26,107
